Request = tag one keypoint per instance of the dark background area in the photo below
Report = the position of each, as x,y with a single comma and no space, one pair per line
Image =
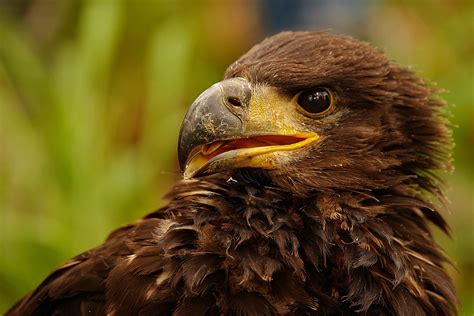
92,94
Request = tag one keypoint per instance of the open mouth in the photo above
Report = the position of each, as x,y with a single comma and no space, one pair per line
243,148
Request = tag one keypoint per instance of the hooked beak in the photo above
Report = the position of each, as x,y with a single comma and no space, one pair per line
233,125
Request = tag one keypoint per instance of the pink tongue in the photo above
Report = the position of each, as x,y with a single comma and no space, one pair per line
219,147
246,143
209,149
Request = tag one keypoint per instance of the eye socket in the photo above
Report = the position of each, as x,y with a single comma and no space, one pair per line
315,101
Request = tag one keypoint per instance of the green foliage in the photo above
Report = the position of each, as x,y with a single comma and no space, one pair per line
91,98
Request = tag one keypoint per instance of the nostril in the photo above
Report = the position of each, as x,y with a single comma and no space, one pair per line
234,101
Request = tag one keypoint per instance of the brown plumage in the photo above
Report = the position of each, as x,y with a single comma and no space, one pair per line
337,227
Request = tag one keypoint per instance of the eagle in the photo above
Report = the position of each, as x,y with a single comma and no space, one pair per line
312,176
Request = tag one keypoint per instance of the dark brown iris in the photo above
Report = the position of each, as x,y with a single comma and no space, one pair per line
315,101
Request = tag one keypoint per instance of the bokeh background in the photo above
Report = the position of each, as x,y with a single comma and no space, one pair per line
92,94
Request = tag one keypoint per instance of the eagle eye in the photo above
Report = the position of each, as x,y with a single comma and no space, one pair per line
315,101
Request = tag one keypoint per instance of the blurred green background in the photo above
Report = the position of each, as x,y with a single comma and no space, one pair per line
92,94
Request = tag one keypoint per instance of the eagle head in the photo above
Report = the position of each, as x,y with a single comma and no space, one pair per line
318,112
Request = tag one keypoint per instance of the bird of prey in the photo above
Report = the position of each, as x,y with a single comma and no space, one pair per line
311,175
